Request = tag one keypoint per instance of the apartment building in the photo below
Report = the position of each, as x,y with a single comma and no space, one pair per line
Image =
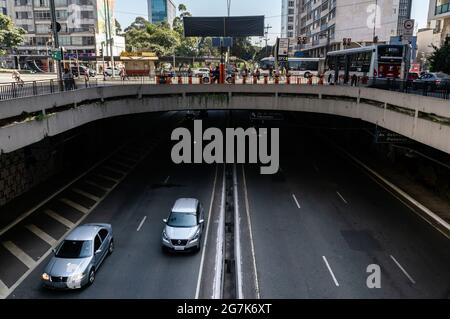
326,23
83,28
439,20
3,9
290,21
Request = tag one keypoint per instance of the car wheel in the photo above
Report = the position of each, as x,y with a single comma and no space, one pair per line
91,277
111,247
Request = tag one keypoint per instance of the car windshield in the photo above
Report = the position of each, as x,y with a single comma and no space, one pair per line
75,249
182,220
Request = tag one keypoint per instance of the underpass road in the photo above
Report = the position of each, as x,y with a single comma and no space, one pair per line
138,268
320,222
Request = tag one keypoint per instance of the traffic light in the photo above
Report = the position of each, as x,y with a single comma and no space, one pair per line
100,51
347,41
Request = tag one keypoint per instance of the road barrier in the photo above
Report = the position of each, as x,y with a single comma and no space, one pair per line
9,91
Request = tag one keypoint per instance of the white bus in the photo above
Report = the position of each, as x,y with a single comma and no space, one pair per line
303,67
372,62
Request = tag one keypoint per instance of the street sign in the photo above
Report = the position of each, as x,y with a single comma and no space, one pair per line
283,50
408,27
383,136
56,55
283,47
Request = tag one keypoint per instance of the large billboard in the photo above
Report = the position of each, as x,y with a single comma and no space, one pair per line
247,26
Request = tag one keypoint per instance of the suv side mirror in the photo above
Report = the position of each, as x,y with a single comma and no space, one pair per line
98,251
201,222
165,221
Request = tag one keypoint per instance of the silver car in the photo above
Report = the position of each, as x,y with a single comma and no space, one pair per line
78,257
183,229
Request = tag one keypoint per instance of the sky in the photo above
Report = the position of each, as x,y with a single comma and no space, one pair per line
128,10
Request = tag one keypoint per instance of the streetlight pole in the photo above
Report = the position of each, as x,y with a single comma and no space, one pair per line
56,41
111,39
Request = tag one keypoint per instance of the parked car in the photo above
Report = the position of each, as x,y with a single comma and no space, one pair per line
83,71
78,257
431,81
109,71
184,227
412,76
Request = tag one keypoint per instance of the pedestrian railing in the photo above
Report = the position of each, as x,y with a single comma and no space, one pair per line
16,90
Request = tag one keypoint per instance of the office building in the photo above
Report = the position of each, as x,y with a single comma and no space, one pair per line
290,21
326,23
161,11
83,28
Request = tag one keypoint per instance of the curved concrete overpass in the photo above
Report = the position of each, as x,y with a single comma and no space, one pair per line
424,119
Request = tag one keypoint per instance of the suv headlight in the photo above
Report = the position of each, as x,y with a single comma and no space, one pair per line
45,276
165,236
197,235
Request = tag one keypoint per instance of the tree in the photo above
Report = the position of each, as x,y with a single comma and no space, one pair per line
117,26
10,36
139,23
243,49
440,59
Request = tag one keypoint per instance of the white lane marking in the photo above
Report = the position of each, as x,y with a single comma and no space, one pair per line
121,163
296,201
220,245
108,178
250,230
403,270
166,180
3,290
129,159
331,271
72,204
41,234
141,224
97,185
59,218
237,237
342,197
208,222
114,170
86,194
20,254
41,204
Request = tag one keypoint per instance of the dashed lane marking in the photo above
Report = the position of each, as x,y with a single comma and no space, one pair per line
59,218
41,234
403,270
296,201
331,271
19,253
86,194
72,204
141,224
342,197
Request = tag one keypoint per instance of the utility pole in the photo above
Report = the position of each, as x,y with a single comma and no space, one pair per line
375,21
111,39
56,41
267,28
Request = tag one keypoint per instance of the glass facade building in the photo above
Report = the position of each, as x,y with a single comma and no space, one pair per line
161,10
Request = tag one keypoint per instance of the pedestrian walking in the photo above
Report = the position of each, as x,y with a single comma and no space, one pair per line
86,78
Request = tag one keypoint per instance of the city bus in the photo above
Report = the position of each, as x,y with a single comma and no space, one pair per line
381,61
301,67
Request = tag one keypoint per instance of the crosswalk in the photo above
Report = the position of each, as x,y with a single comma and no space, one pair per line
78,200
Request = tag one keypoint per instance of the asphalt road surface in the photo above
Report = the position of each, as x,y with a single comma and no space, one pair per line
310,231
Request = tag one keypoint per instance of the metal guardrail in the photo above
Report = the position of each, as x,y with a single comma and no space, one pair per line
16,90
